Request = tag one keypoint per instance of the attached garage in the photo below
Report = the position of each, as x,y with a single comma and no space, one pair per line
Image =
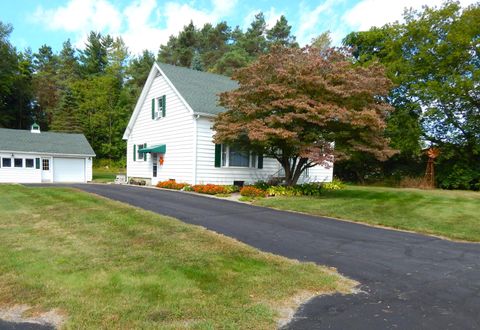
69,170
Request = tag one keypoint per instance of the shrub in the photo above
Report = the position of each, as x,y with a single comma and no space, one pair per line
309,189
261,185
336,184
283,191
231,189
210,189
187,188
171,184
251,191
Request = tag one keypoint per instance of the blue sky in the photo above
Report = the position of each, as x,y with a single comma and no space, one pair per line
145,24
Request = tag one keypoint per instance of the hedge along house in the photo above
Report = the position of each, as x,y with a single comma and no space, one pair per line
34,156
170,136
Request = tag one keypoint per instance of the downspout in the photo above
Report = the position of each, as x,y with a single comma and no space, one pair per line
195,145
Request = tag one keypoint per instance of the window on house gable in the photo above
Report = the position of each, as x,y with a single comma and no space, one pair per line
159,107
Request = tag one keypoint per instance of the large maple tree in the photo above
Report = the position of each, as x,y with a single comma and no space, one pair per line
305,107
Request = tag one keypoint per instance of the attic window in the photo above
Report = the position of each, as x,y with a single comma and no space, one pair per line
159,107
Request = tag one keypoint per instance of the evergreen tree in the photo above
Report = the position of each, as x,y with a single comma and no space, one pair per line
280,34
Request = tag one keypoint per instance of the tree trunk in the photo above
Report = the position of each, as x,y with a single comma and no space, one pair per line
293,169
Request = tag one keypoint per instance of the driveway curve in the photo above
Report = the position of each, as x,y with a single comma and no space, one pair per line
408,281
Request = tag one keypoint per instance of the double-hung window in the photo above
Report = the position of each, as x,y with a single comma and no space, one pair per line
141,155
234,157
159,107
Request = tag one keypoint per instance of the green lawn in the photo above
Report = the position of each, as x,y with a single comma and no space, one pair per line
104,175
104,264
452,214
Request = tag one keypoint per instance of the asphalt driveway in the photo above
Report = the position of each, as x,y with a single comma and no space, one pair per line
409,281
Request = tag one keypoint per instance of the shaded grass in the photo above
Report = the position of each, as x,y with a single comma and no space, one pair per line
109,265
452,214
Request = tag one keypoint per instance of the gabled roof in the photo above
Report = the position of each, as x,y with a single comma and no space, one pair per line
16,140
198,90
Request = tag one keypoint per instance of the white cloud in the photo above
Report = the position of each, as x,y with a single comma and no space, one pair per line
368,13
80,15
309,19
143,24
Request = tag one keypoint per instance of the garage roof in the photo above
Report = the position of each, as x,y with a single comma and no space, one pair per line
16,140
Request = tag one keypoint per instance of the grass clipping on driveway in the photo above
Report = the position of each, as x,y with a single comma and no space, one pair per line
452,214
104,264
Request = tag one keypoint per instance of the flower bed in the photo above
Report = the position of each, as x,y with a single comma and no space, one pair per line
171,184
210,189
251,191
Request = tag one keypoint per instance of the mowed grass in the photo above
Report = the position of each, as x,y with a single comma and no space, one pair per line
107,265
104,175
452,214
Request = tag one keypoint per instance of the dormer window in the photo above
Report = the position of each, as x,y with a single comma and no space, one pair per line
159,106
35,128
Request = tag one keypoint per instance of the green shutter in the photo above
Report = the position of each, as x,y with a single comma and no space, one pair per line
260,161
218,155
37,163
144,155
153,108
164,103
134,152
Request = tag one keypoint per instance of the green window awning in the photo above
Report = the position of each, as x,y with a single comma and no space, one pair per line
160,148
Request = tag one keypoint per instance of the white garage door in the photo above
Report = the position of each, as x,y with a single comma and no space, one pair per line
68,170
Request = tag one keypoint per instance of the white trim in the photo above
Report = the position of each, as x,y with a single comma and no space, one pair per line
47,153
195,147
208,115
151,77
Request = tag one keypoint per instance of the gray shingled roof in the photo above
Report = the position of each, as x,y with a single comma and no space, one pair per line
199,89
45,142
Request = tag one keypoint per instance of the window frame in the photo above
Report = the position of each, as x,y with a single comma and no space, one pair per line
6,159
47,162
140,155
26,162
225,159
15,162
159,106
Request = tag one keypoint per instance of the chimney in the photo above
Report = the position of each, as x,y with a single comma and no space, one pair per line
35,128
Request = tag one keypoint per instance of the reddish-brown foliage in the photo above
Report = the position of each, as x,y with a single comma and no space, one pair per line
292,104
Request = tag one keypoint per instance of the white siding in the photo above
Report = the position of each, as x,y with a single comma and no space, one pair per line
20,175
317,174
175,130
208,173
34,175
88,169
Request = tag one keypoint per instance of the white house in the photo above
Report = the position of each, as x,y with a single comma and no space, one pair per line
170,136
34,156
